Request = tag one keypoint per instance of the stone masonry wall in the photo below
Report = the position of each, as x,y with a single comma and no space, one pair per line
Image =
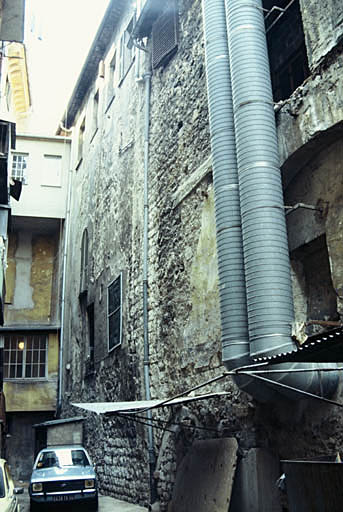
184,323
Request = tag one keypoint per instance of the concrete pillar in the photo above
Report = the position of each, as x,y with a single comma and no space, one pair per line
254,488
204,477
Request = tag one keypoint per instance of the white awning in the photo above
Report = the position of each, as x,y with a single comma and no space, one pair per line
117,407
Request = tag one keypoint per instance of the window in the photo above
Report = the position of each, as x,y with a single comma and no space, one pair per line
19,166
286,46
114,313
82,130
52,171
25,356
126,54
62,457
84,263
165,35
111,80
95,112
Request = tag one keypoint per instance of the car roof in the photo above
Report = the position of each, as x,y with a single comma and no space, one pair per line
63,447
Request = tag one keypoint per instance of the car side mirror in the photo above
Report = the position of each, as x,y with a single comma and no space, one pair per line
18,490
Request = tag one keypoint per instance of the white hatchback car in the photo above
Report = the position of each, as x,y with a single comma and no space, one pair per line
63,475
8,493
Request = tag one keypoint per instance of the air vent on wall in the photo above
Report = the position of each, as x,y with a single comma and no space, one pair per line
165,35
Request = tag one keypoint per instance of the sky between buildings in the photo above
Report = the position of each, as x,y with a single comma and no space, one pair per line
58,36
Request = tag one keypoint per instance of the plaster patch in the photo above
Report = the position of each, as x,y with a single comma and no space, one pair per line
23,291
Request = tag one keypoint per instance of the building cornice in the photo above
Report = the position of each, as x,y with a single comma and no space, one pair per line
18,77
95,55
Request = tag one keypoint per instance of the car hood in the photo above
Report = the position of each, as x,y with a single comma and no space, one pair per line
64,473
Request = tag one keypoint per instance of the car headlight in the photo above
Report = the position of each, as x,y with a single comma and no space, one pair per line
89,484
37,487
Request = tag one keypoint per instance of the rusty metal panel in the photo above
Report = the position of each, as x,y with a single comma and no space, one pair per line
314,486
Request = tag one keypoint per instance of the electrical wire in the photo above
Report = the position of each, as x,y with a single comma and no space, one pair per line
280,16
185,393
165,422
244,370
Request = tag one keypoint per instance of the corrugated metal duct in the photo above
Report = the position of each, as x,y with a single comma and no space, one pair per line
266,255
235,340
256,214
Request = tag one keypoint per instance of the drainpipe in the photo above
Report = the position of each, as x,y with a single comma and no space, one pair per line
151,448
64,272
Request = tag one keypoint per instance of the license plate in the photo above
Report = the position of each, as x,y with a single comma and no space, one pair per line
67,497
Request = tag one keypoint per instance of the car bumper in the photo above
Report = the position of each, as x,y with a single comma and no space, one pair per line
68,497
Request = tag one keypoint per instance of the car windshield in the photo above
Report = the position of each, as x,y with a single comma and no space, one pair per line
61,458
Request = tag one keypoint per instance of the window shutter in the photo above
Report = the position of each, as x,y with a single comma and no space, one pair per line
165,35
84,263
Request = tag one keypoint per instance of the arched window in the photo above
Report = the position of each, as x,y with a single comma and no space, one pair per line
84,263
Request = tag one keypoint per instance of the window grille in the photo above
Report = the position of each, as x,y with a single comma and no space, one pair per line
19,167
165,35
114,313
25,356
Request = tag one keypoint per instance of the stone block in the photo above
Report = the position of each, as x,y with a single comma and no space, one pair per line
205,476
254,488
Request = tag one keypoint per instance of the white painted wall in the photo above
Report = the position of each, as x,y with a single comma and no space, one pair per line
45,191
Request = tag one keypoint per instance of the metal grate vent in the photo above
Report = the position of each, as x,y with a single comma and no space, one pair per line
165,35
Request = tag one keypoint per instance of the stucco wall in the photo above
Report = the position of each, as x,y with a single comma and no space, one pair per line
31,266
31,299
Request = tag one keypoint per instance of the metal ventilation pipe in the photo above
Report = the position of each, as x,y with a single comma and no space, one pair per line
265,242
235,342
266,255
270,306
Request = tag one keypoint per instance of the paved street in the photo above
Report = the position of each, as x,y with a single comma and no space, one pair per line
106,504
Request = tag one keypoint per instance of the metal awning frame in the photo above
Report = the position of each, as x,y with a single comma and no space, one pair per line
258,371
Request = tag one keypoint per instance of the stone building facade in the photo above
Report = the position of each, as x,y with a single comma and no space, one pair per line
104,352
